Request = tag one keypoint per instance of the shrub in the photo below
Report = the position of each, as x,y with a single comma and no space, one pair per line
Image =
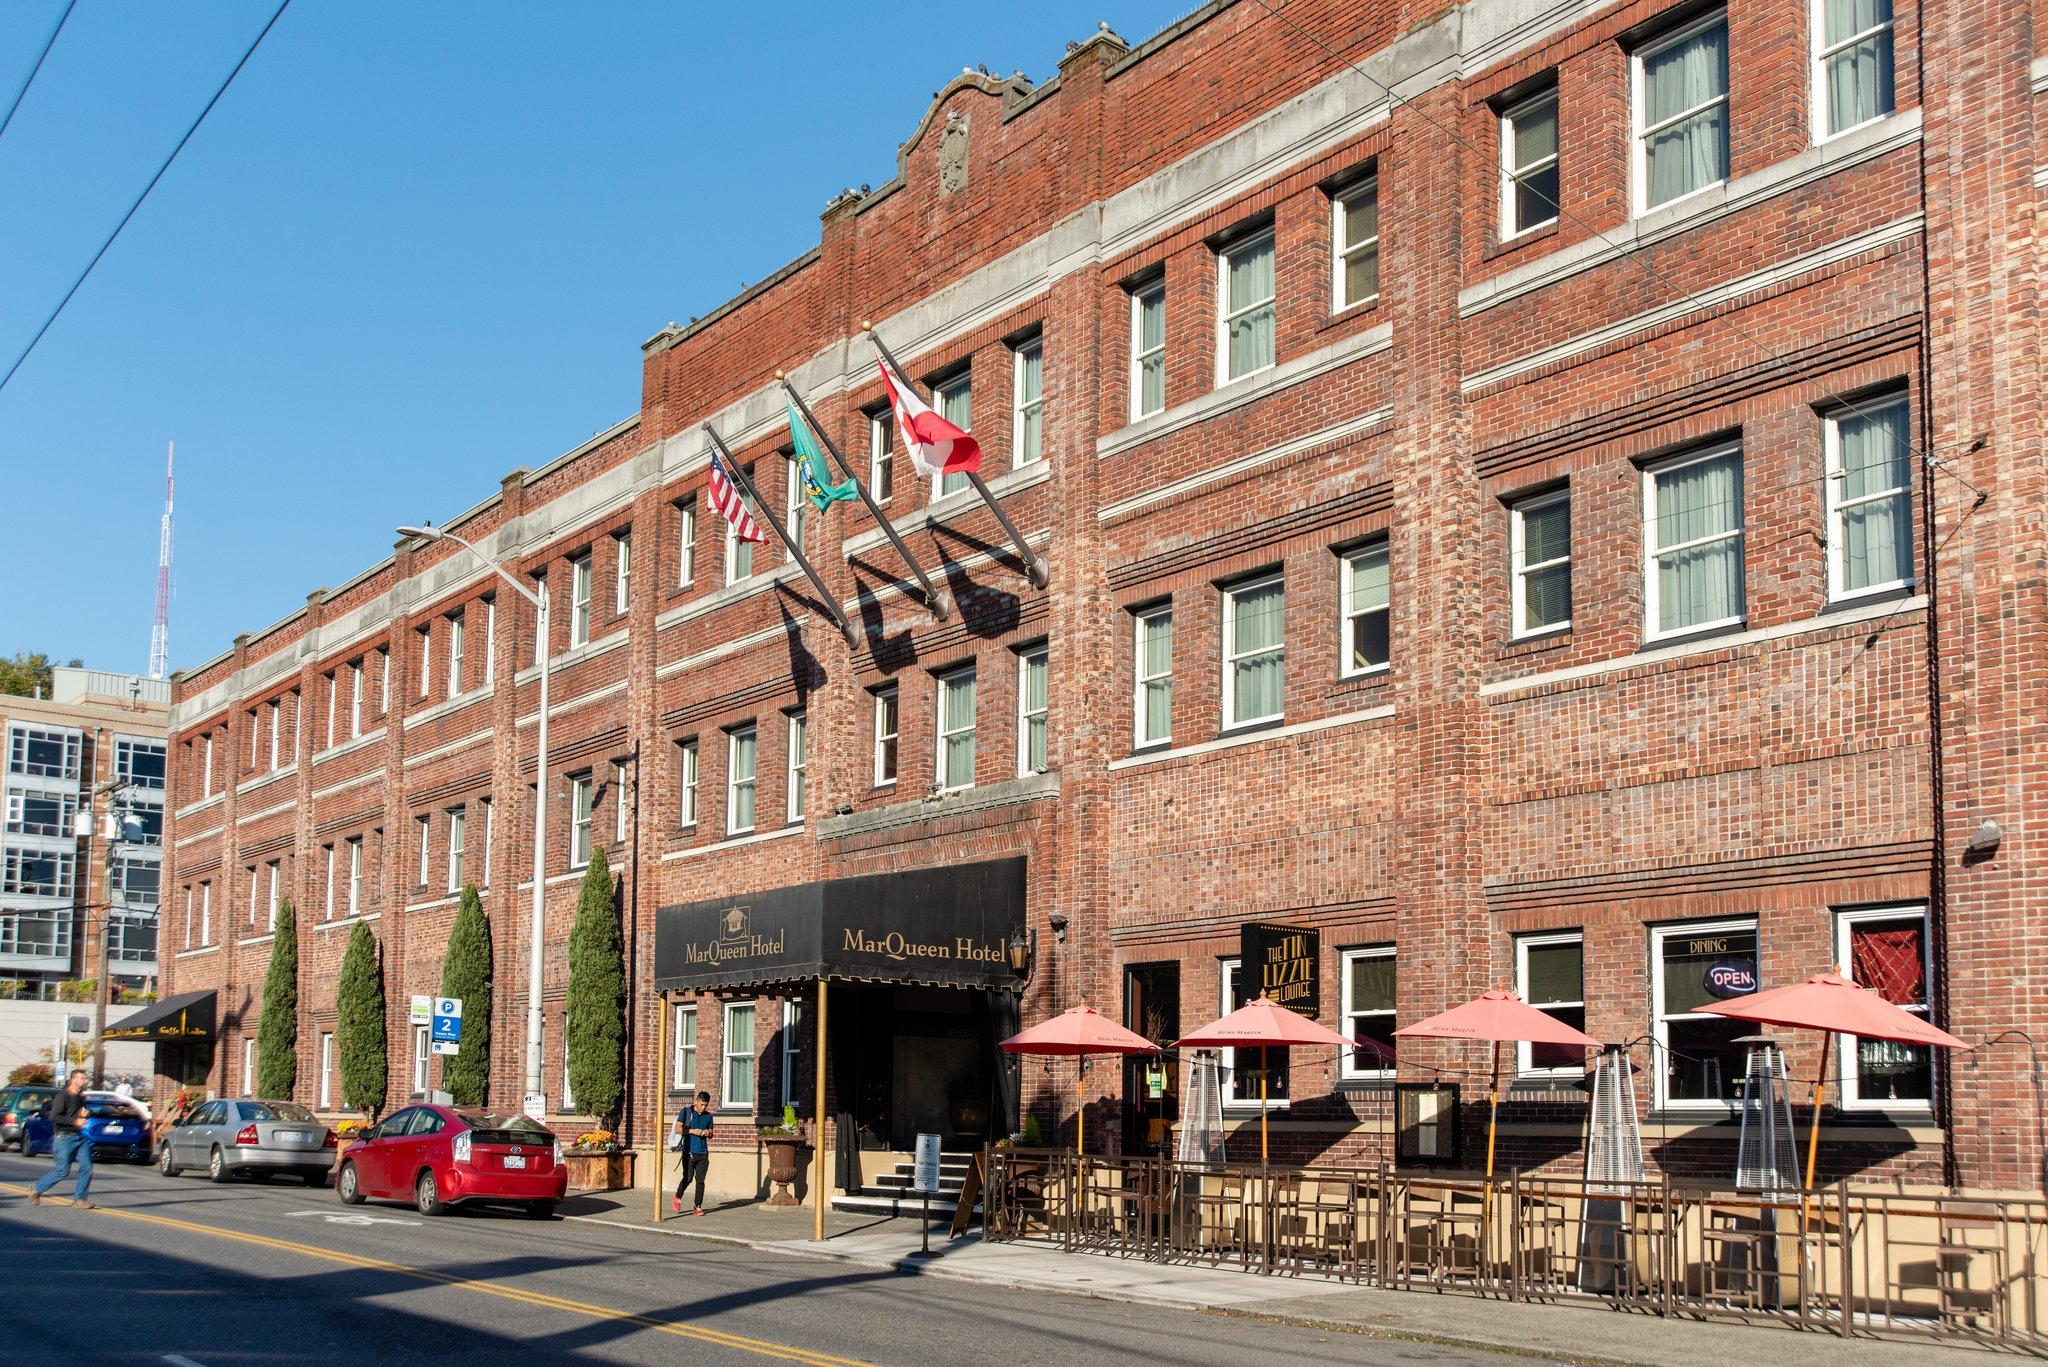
359,1024
277,1031
32,1075
595,1033
466,973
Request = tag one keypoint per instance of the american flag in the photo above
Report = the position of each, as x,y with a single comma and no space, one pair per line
725,496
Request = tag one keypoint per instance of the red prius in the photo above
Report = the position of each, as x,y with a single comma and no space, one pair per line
438,1158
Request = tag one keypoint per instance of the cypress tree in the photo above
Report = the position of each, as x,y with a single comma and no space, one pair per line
596,1026
277,1033
359,1029
466,973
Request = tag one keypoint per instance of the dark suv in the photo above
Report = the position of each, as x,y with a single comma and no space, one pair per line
17,1104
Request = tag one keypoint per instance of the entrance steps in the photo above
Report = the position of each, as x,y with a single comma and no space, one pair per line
892,1193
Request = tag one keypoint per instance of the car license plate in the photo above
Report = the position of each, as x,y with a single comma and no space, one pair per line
291,1136
515,1160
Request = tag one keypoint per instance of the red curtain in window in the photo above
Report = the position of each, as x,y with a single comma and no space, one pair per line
1891,961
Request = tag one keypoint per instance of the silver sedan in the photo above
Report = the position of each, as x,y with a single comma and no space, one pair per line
245,1136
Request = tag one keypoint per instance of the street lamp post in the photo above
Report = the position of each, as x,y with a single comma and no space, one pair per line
535,1096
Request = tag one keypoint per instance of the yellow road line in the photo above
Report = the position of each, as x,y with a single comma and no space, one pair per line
761,1347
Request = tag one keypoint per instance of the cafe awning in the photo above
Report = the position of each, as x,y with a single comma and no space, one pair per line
184,1019
944,927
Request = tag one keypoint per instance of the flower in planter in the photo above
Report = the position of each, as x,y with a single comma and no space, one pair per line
595,1141
350,1129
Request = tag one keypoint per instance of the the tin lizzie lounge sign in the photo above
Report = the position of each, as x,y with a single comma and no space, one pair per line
950,927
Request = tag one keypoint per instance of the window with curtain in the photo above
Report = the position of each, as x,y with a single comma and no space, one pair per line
622,571
582,802
798,757
686,541
579,600
1148,350
738,1087
795,503
1852,58
1886,949
1541,532
1550,973
454,630
1528,163
1368,986
1869,498
1031,710
1153,675
739,555
1027,428
1693,537
1367,610
954,401
683,1075
956,729
1355,244
886,727
1254,651
1247,316
881,456
1681,103
686,764
740,758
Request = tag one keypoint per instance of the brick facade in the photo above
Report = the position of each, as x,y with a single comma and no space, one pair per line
1817,754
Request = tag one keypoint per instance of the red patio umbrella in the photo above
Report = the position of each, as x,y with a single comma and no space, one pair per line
1831,1004
1495,1016
1262,1024
1081,1030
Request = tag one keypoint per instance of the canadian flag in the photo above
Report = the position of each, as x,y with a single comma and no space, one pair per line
935,445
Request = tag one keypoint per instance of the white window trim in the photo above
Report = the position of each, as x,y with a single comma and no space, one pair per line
276,878
621,810
579,600
796,729
327,901
490,811
1347,568
1519,568
490,641
622,571
248,1065
733,542
941,487
1831,484
686,542
206,913
1740,535
355,875
455,644
688,762
425,823
1140,679
1231,721
1524,1051
1819,50
882,696
793,501
276,731
732,779
1140,353
582,813
422,1058
1024,657
1348,1069
255,892
426,670
941,682
1019,406
1342,249
1512,176
1232,1102
1845,1058
792,1087
727,1056
1224,316
206,784
355,696
1660,1072
458,840
681,1078
1639,139
327,1071
881,452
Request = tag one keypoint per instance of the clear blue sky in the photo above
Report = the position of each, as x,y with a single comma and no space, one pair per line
413,248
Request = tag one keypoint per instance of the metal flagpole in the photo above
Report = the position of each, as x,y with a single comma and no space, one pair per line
937,599
660,1094
819,1186
746,483
1034,564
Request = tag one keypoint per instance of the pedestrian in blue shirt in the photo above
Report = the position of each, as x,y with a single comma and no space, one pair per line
693,1127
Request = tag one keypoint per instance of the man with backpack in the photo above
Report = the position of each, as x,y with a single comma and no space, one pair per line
691,1134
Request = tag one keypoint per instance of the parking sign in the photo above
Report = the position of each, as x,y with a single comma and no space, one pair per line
447,1027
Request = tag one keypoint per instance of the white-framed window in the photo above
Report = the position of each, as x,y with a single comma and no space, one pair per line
1679,94
383,658
794,776
622,810
490,640
1528,164
1242,1067
206,913
739,555
327,888
355,875
1852,65
881,456
276,732
686,763
568,1092
795,503
38,873
582,796
579,600
1540,553
355,696
1869,498
275,872
955,712
422,1057
424,672
1254,651
1888,950
1148,349
683,1071
540,635
333,707
1368,991
1027,419
206,764
736,1083
248,1065
1550,974
253,731
458,835
887,725
327,1071
1032,709
255,893
455,633
1152,676
1368,612
1355,244
188,916
1699,1064
489,813
1246,311
426,830
42,752
686,542
622,571
742,755
953,400
1692,537
792,1054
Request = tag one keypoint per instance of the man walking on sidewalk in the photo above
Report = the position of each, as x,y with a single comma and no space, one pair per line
694,1125
69,1145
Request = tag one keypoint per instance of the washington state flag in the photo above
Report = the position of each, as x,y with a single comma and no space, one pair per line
811,469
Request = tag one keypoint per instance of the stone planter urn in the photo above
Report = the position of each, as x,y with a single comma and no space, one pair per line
782,1169
599,1170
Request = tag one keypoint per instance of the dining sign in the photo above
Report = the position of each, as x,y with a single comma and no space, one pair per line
1282,963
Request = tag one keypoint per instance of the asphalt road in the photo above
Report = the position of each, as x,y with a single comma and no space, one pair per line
179,1271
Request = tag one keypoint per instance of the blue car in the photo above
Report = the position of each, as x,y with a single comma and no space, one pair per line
117,1130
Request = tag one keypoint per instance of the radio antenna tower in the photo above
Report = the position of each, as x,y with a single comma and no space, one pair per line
160,629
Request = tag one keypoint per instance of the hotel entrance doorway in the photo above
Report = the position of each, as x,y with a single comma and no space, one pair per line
908,1060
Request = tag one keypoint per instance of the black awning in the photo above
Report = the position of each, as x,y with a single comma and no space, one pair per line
184,1019
948,927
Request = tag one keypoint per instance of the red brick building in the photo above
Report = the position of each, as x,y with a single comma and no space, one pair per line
1538,491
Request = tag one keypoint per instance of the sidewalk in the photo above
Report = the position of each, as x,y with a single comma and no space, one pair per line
1571,1332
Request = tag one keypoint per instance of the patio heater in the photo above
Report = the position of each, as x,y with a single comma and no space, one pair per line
1614,1167
1201,1116
1767,1155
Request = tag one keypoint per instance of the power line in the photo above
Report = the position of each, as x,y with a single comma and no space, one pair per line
277,14
1626,252
30,79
